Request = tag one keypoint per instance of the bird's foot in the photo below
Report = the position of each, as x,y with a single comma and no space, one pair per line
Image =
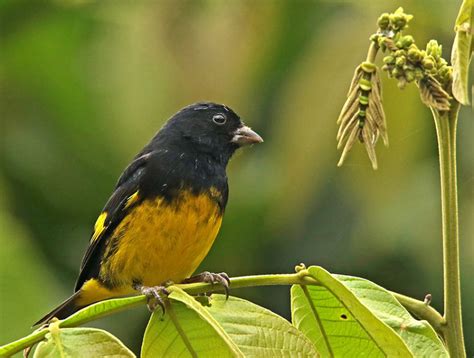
213,278
155,295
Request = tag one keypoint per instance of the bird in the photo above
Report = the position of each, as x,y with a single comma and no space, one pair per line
165,211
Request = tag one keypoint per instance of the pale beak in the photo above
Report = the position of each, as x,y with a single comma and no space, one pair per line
245,136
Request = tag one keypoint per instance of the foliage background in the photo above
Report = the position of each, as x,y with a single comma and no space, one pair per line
85,84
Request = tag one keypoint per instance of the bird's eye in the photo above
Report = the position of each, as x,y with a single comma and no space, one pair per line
219,119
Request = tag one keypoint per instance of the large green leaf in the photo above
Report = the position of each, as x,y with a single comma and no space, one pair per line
257,331
462,51
81,342
225,328
186,330
338,324
101,309
419,336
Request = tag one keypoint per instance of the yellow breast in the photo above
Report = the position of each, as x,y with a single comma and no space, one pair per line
160,240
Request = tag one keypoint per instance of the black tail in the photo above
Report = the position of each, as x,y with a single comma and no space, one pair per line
64,310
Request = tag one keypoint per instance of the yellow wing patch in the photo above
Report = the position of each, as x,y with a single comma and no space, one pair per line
132,199
99,226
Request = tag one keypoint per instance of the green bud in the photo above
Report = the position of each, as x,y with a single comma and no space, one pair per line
381,43
361,113
410,76
400,61
434,49
443,70
414,54
384,21
392,17
442,62
407,41
389,60
419,73
400,23
399,53
446,73
397,21
428,62
396,72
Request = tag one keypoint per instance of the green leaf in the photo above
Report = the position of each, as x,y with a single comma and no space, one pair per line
102,309
225,328
186,330
419,336
338,324
257,331
81,342
462,51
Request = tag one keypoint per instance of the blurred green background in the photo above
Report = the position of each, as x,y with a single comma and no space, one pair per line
84,85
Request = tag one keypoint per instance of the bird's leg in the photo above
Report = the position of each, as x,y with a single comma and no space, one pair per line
155,296
214,278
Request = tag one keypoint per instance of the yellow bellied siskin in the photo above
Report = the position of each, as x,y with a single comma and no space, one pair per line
166,209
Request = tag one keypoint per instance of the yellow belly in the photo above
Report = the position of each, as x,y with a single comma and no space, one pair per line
160,241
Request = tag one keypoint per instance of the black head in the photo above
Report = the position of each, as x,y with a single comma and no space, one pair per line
207,128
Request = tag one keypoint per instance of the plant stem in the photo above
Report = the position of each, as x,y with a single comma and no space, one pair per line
22,343
299,278
424,311
446,123
372,53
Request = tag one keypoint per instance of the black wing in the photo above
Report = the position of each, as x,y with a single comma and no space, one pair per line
112,214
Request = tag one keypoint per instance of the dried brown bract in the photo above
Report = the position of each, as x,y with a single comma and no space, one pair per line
362,116
433,95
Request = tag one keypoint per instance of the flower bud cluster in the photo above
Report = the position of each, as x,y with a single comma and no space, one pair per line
407,63
397,21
